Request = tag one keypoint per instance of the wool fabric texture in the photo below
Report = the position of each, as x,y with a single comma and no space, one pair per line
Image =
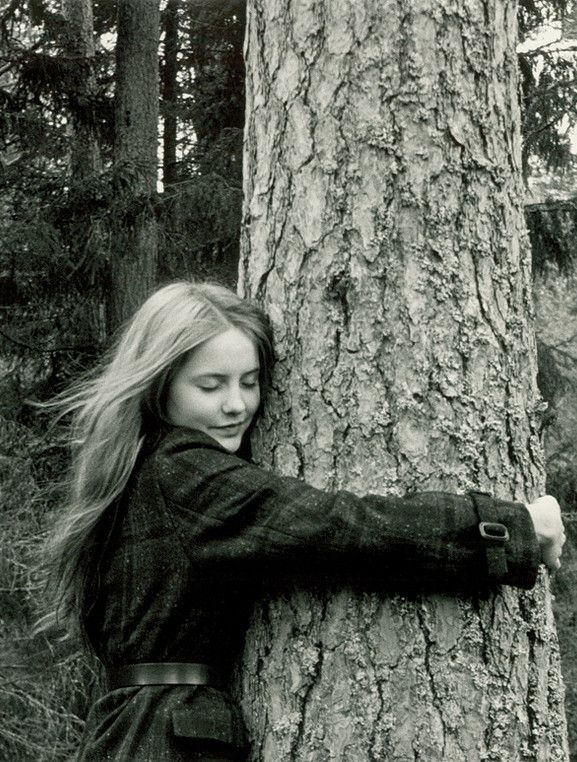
200,533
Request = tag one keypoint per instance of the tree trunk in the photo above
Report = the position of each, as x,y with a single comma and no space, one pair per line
169,93
85,161
135,156
383,234
79,41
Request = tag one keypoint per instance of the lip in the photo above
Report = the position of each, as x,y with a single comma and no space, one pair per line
231,428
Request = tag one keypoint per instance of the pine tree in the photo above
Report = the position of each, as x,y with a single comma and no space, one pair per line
384,234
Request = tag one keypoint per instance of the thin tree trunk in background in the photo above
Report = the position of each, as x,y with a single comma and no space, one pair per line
135,156
173,228
169,92
85,161
85,154
383,233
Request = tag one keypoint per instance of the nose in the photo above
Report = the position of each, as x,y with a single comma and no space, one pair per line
233,402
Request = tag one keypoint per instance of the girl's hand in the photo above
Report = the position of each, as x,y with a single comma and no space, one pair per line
546,515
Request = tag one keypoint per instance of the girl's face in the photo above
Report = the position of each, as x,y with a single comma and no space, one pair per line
216,390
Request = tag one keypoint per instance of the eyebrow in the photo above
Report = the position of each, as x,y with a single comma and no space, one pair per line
225,375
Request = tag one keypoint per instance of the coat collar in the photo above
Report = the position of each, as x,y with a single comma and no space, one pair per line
170,436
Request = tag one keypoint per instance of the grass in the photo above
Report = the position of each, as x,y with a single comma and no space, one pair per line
44,687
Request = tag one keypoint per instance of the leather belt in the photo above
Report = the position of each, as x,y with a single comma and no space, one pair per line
162,673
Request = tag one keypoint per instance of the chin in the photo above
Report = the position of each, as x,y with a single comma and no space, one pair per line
232,445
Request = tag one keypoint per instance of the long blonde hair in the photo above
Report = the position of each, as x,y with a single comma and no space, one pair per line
117,406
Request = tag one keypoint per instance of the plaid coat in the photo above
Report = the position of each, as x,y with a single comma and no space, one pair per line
199,533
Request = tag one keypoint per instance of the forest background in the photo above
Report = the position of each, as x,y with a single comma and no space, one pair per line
73,197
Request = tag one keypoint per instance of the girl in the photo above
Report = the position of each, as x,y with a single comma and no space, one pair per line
169,532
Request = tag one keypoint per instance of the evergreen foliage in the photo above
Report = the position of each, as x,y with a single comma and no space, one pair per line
548,87
552,228
549,109
50,254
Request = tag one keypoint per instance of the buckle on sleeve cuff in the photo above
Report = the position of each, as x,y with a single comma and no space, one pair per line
493,532
493,535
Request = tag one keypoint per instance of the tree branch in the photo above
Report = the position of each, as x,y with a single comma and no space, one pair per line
542,49
534,133
41,350
563,352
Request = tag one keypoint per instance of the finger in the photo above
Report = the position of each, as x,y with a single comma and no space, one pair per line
552,557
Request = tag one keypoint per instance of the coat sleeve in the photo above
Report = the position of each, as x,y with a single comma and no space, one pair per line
236,519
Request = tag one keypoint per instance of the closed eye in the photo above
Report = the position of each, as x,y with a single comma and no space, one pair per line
211,383
208,387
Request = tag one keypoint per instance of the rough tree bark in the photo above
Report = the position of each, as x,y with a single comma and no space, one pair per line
383,233
134,258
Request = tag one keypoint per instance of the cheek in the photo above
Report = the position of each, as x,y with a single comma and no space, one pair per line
200,404
182,399
254,401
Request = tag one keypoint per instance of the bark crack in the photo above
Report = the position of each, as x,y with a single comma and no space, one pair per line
421,611
379,722
485,312
299,736
526,604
